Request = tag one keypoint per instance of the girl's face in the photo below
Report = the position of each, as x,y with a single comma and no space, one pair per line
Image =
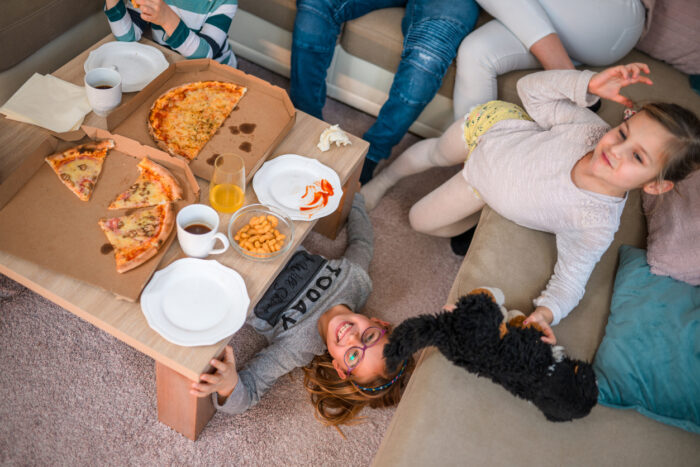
630,156
344,331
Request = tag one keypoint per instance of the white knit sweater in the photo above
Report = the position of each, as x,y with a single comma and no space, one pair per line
522,170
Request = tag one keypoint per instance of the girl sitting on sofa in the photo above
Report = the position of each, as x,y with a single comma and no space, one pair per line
555,167
309,317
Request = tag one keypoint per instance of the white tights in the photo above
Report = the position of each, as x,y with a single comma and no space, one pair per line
451,208
594,32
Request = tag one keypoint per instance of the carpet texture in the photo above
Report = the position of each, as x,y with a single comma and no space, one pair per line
74,395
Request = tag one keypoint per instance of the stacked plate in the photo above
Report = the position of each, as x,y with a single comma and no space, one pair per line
195,302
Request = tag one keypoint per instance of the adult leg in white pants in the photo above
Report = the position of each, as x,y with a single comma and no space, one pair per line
594,32
447,150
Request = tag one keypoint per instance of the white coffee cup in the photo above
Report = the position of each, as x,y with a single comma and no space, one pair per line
103,87
197,231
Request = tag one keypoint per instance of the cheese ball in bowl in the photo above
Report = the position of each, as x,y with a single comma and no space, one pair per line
260,232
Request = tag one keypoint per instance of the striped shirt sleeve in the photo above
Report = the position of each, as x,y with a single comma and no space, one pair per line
211,39
126,24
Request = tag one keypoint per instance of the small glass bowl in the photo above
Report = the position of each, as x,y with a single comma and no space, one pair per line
242,217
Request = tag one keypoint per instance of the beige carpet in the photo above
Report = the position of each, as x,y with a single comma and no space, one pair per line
74,395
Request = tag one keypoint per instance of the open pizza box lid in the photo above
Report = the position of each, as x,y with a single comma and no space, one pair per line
257,125
44,222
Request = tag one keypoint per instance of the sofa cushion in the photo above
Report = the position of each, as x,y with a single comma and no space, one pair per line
30,24
281,13
673,222
673,35
648,358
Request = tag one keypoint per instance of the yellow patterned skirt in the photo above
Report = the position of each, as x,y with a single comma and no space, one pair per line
484,116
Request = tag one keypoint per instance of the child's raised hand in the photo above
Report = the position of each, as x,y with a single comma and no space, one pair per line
223,381
607,83
542,316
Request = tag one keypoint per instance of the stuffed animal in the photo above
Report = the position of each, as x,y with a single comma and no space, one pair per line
480,336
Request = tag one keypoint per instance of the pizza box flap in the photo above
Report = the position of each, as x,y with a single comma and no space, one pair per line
44,222
257,125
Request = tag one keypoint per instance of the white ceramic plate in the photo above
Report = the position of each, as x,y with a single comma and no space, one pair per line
195,302
282,182
138,63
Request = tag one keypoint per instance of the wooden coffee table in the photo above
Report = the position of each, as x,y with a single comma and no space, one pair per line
176,366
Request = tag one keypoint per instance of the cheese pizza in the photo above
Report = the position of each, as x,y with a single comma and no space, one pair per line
183,119
137,237
79,167
155,185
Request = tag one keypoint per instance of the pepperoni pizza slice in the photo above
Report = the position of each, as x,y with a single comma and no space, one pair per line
155,185
79,167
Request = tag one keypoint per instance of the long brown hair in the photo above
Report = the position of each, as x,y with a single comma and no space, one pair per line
338,401
683,155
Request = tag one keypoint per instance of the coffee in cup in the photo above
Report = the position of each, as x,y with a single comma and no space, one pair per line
197,231
103,87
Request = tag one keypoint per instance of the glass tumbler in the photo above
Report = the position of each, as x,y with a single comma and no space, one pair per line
227,186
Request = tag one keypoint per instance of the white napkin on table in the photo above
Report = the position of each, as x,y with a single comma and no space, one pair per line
48,102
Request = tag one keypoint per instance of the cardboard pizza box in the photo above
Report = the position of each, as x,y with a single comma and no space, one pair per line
44,222
257,125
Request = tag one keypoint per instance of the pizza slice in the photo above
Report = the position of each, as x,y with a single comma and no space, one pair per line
137,237
79,167
155,185
183,119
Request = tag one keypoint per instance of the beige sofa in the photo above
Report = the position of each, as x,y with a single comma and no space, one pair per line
448,416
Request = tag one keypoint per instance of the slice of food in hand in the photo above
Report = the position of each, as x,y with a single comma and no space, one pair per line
155,185
79,167
183,119
137,237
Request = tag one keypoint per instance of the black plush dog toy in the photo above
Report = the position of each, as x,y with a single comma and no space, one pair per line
480,336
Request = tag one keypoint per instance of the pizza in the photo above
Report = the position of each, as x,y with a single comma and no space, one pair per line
183,119
79,167
155,185
137,237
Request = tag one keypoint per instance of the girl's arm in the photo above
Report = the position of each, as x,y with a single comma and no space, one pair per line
360,235
205,43
577,255
558,97
126,24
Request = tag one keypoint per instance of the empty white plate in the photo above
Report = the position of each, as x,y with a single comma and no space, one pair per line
138,63
195,302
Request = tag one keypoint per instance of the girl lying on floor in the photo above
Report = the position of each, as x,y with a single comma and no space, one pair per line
310,318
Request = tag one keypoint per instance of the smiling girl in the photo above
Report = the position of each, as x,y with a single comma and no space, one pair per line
555,167
309,316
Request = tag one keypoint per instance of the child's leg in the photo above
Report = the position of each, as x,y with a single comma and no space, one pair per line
450,209
444,151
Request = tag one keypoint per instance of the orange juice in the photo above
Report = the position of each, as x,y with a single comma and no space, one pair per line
226,197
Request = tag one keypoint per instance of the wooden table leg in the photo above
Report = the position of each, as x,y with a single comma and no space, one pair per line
331,224
177,408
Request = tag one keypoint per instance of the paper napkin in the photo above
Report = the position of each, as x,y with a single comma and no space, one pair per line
48,102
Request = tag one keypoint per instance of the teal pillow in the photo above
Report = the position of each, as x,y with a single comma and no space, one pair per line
649,359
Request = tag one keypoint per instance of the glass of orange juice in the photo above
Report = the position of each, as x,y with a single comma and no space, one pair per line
227,186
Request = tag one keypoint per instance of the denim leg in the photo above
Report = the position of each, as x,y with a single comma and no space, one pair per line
316,29
433,30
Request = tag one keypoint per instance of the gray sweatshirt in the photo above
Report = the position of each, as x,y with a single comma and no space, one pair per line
522,170
288,313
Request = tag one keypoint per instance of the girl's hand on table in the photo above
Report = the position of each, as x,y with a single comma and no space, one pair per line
607,83
223,381
542,317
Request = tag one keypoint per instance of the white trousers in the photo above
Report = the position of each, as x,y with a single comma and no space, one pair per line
593,32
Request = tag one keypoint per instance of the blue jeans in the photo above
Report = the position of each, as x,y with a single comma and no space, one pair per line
433,30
